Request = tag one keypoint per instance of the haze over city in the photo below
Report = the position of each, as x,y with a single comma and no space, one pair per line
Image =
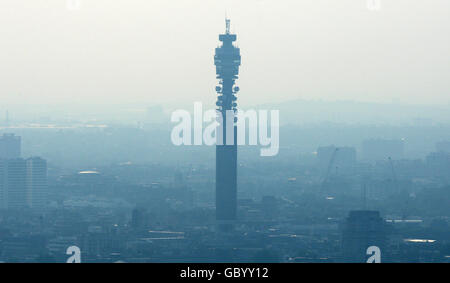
160,51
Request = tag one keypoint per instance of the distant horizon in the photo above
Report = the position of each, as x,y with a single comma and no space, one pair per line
295,111
149,103
134,51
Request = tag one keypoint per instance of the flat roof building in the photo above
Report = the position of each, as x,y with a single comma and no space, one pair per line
10,146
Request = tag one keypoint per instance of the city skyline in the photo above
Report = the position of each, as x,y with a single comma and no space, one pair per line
150,132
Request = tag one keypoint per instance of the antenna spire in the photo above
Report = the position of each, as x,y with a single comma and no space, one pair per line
227,25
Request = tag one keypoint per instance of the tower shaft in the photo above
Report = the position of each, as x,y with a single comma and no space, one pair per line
227,60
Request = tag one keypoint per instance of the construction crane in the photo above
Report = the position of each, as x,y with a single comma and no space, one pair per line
330,165
397,189
394,177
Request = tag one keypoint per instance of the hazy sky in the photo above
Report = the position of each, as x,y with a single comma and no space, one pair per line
161,51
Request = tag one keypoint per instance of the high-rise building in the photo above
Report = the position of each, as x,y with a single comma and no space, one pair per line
10,146
3,184
227,60
13,180
23,183
36,182
361,230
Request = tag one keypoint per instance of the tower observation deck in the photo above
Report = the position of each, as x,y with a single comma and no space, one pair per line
227,60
